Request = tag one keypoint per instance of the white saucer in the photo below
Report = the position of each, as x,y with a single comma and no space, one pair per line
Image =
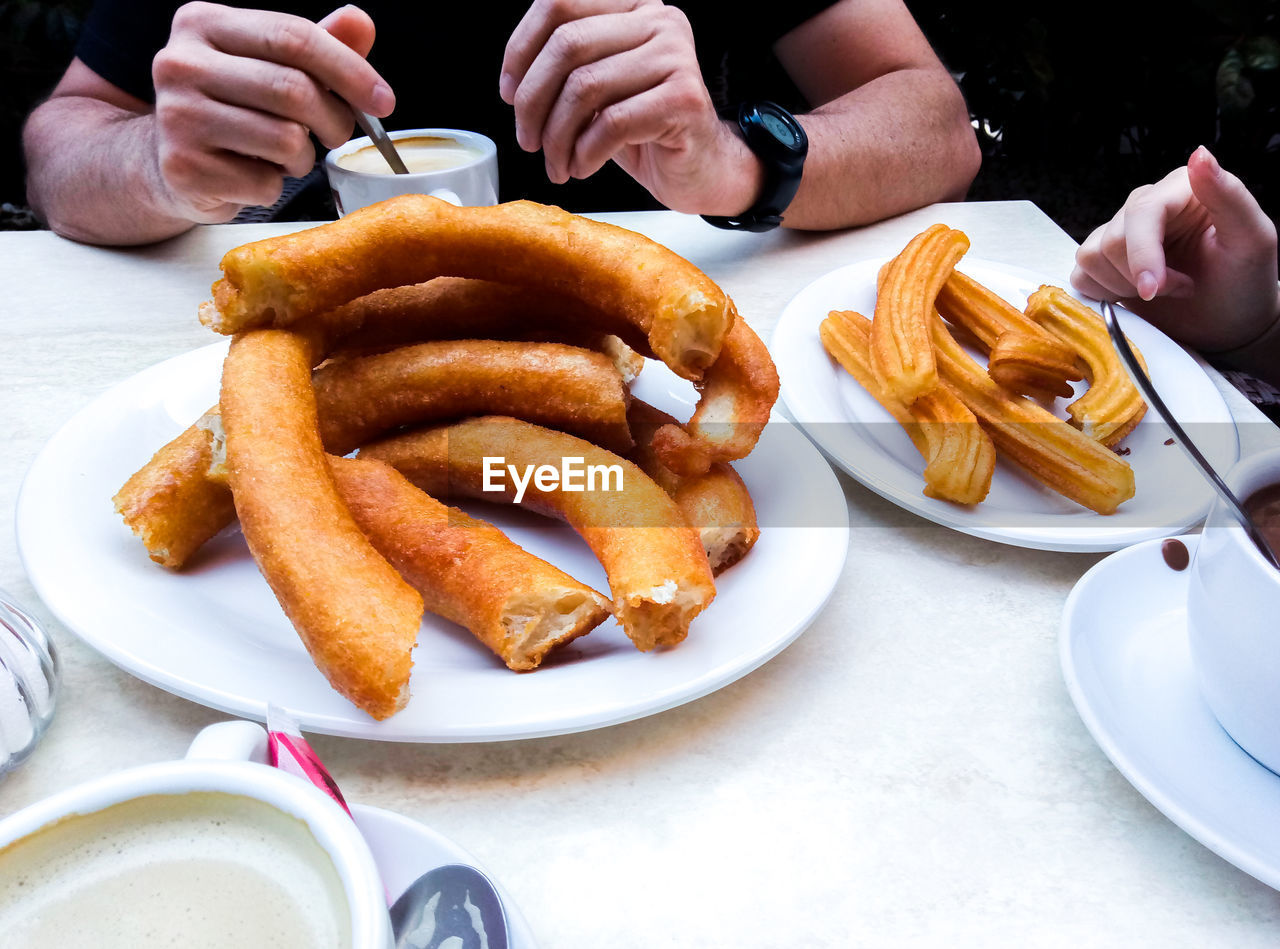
1128,668
405,849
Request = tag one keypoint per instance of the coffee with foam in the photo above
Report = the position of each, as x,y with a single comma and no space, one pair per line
201,868
422,153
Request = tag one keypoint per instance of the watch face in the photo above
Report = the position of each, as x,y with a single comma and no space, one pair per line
779,129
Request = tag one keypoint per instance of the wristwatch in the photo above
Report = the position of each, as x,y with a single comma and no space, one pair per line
778,140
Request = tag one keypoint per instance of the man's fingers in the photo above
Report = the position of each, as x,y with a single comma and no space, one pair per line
301,44
535,28
653,116
352,27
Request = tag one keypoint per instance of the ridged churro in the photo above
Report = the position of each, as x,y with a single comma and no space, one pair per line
468,571
960,457
901,355
356,616
682,313
715,502
564,387
1111,407
1056,453
1022,355
658,573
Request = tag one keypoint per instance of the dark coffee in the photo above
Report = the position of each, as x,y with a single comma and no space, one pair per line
1263,508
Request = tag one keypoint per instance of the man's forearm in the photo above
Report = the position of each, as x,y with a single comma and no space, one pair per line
92,173
897,143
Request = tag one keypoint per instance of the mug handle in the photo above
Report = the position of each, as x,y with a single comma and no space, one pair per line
447,195
230,741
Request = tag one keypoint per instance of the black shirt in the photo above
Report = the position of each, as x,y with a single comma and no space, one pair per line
443,79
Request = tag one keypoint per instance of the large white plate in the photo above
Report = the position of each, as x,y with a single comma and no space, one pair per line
1128,668
404,849
862,438
216,635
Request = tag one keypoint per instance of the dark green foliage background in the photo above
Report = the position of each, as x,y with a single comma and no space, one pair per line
1076,103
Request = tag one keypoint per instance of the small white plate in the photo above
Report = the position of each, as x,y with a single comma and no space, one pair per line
1128,669
216,635
863,439
405,849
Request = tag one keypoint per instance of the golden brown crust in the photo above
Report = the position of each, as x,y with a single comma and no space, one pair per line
737,396
412,238
1111,407
908,288
564,387
960,457
658,572
468,571
356,616
1053,451
168,502
716,502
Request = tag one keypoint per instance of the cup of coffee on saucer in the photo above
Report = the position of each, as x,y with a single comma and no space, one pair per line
218,849
456,165
1233,612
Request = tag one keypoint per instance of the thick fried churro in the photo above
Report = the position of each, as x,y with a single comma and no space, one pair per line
354,613
1057,454
1022,355
1111,406
960,457
681,312
716,502
901,355
559,386
468,571
737,396
170,502
658,572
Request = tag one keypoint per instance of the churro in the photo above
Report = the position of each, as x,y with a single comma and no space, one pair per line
737,396
902,358
468,571
356,616
1022,355
565,387
960,457
682,314
716,503
1056,453
1111,407
658,572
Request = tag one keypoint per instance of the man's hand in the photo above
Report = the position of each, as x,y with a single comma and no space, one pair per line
594,80
239,91
1193,252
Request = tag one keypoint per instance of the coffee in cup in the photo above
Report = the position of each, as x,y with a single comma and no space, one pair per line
163,869
452,164
1233,598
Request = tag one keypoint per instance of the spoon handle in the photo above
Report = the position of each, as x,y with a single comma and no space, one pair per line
1144,383
373,128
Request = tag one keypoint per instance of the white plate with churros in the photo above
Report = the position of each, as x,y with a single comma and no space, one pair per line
862,437
215,634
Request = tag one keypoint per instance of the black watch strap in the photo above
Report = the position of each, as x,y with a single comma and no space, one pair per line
779,141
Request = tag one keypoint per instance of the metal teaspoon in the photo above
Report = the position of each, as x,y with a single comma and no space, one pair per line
1144,383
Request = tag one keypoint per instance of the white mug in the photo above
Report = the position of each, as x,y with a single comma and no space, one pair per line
459,166
230,757
1233,620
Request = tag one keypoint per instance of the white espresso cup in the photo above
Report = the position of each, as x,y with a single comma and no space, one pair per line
218,841
1233,618
460,167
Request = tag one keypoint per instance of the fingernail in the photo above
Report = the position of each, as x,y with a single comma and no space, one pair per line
1147,285
384,100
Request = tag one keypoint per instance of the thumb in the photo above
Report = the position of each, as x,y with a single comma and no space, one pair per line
1237,217
352,27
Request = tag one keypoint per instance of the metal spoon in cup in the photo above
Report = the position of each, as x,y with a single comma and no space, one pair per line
373,128
1144,383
